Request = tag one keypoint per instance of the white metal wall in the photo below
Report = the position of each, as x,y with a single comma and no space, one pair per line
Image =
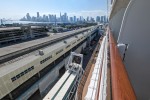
135,31
115,22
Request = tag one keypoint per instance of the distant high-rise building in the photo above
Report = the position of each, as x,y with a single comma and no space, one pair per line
65,17
52,18
98,19
55,18
49,18
60,17
105,19
74,19
28,17
102,19
1,22
80,18
84,20
92,19
44,18
71,19
33,18
87,19
38,14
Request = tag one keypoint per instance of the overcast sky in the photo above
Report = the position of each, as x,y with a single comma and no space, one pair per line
16,9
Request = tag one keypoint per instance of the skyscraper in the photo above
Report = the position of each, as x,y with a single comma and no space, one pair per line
1,22
80,18
74,19
60,17
98,19
105,20
38,14
92,19
52,18
102,19
87,19
55,18
49,18
44,18
65,17
28,17
71,19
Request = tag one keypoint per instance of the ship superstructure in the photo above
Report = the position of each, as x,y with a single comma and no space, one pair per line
121,70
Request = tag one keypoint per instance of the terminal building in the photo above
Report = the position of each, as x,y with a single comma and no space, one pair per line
13,34
33,66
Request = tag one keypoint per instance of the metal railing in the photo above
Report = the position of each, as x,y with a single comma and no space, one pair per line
98,81
80,90
121,86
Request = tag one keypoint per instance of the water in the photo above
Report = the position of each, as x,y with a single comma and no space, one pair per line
22,22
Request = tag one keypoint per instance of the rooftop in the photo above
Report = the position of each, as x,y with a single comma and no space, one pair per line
21,46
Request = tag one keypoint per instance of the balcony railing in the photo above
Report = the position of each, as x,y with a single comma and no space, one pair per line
121,86
96,83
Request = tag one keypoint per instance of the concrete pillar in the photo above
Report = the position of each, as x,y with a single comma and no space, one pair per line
30,32
39,75
10,96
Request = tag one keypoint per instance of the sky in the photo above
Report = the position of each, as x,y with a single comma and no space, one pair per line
16,9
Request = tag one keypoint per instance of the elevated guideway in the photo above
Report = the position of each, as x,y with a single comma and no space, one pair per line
65,88
10,52
21,75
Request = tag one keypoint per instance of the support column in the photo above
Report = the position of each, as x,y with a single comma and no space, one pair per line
10,96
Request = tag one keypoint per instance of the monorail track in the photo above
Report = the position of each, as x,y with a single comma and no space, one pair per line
17,55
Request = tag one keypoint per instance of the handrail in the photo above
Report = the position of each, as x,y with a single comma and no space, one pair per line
97,94
90,65
121,86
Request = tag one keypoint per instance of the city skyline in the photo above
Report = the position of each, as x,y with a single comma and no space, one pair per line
63,17
17,8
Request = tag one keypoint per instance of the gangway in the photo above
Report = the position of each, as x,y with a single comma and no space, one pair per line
65,88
